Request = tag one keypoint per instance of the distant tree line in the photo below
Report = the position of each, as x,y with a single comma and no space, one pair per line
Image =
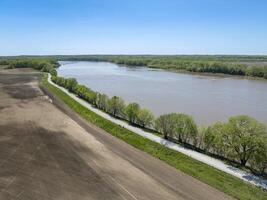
242,139
254,66
197,66
44,65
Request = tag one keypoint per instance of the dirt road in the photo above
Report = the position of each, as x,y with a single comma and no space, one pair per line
48,152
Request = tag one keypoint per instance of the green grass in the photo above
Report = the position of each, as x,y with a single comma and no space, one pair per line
213,177
3,66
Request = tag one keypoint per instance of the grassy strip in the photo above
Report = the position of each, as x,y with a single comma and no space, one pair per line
217,179
3,66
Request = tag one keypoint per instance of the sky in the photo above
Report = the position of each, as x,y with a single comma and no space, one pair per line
42,27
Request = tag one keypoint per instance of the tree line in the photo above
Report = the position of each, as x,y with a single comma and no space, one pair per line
115,106
234,68
233,65
242,139
254,66
44,65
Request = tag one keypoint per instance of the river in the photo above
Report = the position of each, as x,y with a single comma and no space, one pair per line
207,98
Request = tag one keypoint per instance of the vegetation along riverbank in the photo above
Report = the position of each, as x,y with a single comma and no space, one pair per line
207,174
241,141
251,66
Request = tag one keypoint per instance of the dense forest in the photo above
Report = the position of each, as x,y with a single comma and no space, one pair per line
234,65
254,66
44,65
241,140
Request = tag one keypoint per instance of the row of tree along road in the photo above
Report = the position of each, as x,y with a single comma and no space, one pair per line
242,140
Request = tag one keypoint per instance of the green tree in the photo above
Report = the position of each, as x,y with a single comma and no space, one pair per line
116,106
53,72
93,97
131,112
241,137
165,124
90,96
213,139
199,142
46,67
102,102
81,90
61,81
208,139
185,128
258,160
145,118
70,84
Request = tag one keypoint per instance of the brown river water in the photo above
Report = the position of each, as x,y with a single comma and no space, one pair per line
207,98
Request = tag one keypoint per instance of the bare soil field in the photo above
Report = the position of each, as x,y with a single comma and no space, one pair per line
48,152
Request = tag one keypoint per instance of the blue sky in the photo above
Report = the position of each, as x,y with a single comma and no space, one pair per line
133,27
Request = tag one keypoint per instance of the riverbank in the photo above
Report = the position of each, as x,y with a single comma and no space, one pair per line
178,92
221,75
49,152
245,176
239,65
203,172
232,65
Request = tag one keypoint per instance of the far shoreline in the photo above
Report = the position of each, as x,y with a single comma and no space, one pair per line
222,75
